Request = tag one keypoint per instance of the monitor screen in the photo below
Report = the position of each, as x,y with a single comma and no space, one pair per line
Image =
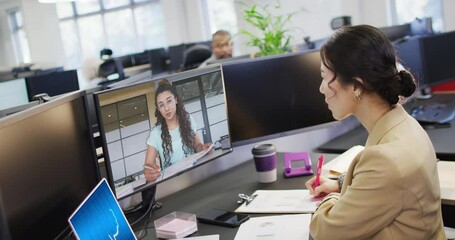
13,93
53,84
48,166
127,115
157,60
175,54
268,97
410,57
438,53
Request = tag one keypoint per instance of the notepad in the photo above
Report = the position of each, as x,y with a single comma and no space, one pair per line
340,164
281,201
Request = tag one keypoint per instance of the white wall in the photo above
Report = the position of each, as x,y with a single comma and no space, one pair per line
449,17
43,33
7,58
184,20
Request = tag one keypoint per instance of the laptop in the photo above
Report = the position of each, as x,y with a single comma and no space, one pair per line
99,216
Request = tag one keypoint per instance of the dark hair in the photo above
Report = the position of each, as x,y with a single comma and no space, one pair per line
186,132
365,52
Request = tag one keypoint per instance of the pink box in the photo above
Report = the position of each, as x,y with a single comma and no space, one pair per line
176,225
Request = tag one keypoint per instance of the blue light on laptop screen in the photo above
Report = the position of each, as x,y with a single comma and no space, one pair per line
100,217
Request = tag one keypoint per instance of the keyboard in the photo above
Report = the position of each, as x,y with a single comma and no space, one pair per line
433,113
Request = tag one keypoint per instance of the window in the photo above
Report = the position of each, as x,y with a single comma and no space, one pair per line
108,4
119,31
19,39
68,31
122,25
147,19
408,10
221,14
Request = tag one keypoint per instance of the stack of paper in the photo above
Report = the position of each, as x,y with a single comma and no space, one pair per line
289,227
340,164
207,237
281,201
176,228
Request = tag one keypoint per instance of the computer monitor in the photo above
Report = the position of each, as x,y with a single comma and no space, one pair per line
397,32
48,166
53,84
225,60
274,96
13,93
157,60
127,114
438,52
175,54
410,57
428,58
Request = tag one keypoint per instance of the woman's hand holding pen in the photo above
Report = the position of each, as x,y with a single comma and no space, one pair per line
325,187
203,147
151,172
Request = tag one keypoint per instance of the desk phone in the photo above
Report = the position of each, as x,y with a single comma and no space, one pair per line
290,171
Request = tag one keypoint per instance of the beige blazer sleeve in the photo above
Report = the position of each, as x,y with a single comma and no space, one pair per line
367,206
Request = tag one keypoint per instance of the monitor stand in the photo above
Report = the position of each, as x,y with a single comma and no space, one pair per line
424,93
148,198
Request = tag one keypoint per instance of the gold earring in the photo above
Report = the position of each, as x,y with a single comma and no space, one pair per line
357,96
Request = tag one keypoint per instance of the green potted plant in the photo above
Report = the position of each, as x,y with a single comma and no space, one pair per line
274,37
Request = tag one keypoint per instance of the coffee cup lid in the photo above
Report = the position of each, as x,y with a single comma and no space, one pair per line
262,149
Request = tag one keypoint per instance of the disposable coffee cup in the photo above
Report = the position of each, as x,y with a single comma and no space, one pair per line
265,161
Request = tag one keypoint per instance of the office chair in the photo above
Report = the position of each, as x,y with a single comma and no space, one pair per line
339,22
194,56
110,67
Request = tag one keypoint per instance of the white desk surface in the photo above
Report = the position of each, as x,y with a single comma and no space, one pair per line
446,171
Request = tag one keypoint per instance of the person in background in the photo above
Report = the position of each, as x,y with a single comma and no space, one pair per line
391,189
221,47
174,135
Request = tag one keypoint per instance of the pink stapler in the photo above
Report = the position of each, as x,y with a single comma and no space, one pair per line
290,171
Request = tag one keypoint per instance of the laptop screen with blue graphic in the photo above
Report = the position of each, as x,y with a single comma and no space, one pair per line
100,217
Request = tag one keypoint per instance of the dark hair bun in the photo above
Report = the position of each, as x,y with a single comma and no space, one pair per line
402,84
407,83
164,82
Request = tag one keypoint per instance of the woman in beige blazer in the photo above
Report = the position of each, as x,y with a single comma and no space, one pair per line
391,189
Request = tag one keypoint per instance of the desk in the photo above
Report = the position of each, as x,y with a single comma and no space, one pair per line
244,179
130,71
442,138
446,170
221,191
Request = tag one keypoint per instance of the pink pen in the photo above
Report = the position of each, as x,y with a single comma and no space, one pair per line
318,173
